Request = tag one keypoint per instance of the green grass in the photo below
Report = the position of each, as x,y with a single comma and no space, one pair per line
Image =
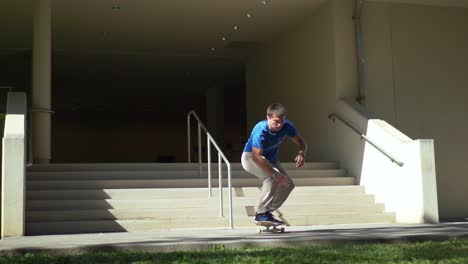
453,251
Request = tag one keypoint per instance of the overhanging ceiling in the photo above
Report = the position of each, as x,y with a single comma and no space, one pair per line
166,31
155,27
162,27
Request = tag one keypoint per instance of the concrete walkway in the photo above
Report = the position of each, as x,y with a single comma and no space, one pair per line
172,240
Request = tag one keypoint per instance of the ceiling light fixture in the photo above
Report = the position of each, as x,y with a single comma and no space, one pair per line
213,49
236,27
264,2
249,15
224,38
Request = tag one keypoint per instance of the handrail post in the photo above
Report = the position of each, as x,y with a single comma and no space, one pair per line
199,150
208,149
188,139
231,222
221,157
220,186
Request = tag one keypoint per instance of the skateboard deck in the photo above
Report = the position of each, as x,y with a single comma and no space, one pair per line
269,228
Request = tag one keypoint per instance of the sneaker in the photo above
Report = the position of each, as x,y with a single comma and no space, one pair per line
266,219
274,220
262,218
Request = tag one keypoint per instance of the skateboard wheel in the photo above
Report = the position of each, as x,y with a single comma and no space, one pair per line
282,230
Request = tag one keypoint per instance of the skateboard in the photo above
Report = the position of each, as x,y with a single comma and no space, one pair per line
269,228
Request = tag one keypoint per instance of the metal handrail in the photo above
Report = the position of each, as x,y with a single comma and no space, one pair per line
209,141
342,119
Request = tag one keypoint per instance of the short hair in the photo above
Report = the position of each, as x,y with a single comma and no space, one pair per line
276,109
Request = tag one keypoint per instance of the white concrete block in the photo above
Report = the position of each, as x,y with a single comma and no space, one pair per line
13,167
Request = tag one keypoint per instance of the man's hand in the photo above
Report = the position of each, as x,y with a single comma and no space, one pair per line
281,179
299,160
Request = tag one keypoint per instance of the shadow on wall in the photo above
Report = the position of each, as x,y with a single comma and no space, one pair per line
349,144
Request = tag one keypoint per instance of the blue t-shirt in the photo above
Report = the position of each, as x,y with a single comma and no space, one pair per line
262,138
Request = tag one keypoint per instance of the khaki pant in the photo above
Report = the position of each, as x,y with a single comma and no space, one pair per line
273,195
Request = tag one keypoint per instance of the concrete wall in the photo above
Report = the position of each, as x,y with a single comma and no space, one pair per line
416,64
417,60
296,69
307,68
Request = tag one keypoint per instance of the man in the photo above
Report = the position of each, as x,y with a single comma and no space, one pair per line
260,158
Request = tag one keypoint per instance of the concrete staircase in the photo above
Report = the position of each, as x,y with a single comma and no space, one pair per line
93,198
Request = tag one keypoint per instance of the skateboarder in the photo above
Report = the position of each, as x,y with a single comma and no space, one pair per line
260,158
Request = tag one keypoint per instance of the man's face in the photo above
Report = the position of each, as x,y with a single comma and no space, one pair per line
275,123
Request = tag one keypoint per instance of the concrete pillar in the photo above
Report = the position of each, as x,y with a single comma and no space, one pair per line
41,82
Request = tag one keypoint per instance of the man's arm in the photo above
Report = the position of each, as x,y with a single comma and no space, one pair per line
300,157
265,166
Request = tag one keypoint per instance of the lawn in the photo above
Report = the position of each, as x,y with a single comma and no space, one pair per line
452,251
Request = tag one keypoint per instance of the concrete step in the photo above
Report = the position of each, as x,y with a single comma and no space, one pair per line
181,174
159,166
332,219
305,190
173,183
123,214
319,209
157,193
180,203
84,198
178,213
70,227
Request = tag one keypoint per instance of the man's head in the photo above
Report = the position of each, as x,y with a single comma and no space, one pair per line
276,115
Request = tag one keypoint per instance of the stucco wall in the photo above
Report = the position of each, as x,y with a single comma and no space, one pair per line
417,60
415,79
307,68
296,69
